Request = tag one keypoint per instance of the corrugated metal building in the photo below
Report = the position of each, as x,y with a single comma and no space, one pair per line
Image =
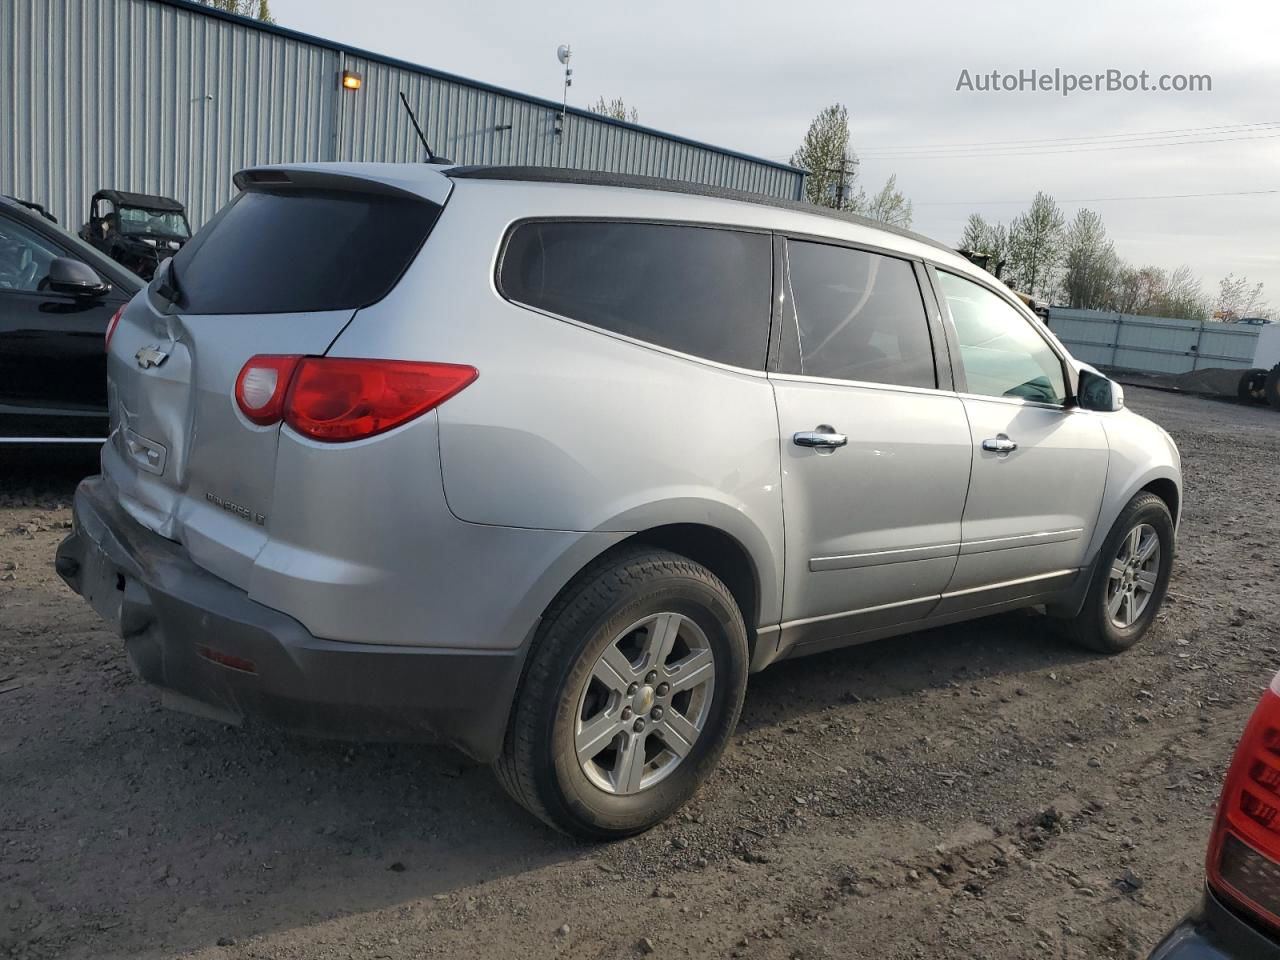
170,97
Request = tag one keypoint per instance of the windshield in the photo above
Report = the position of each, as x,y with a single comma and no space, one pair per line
153,223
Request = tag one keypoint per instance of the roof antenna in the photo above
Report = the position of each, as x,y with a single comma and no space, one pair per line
431,157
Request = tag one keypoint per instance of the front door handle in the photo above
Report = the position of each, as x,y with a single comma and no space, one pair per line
822,437
999,444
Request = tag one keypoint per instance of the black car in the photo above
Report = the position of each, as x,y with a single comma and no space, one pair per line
57,298
139,230
1238,917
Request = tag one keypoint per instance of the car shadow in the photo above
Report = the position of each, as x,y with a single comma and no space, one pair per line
185,832
1005,645
43,476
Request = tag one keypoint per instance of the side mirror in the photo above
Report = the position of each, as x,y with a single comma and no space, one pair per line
76,278
1096,392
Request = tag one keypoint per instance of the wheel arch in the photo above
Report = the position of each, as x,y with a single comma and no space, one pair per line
1167,490
754,582
1163,481
720,553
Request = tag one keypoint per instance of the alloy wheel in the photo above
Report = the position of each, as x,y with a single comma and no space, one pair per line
1135,571
645,703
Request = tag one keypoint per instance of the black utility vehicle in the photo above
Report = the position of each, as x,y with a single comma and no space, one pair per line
136,229
57,298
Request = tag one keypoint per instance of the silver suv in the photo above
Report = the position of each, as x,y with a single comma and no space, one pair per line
543,464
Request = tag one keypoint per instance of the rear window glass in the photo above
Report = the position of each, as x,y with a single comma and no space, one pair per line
300,251
700,290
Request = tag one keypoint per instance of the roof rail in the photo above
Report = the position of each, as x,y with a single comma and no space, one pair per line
598,178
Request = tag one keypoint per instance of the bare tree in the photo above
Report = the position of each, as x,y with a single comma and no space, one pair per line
1237,298
616,108
1182,297
1136,289
1150,291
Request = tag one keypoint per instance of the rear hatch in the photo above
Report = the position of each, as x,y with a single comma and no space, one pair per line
282,269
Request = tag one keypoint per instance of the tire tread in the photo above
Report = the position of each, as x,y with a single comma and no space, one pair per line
578,606
1085,628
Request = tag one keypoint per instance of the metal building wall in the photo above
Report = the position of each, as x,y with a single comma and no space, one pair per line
163,97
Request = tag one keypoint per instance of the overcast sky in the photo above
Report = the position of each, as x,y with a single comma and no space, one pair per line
751,75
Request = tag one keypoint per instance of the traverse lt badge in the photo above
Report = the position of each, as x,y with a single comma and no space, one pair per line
150,357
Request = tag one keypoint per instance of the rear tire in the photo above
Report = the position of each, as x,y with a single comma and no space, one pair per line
1271,389
1108,622
1252,384
608,657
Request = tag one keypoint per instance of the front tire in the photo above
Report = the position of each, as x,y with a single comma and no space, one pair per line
633,688
1130,578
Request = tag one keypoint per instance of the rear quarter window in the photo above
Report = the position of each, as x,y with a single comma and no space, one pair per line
701,290
299,251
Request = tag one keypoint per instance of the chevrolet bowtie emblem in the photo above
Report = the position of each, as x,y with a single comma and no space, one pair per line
150,357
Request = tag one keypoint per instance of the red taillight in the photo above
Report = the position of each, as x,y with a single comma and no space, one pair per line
262,385
111,327
1244,850
227,660
336,399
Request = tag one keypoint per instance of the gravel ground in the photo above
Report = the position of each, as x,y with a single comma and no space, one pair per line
981,790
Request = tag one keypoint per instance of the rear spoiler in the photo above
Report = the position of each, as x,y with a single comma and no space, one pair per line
281,179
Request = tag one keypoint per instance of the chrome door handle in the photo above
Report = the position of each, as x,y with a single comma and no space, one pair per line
823,437
1000,444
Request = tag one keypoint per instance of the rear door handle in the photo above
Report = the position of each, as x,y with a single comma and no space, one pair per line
999,444
823,437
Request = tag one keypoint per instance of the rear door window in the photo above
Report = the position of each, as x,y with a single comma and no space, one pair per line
700,290
855,315
301,250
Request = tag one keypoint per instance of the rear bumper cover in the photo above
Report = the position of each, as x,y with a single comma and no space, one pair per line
217,653
1212,931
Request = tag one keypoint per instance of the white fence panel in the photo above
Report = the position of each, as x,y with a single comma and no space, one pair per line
1125,341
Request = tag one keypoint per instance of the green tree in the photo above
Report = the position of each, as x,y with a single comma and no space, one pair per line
1090,261
616,108
257,9
992,239
975,233
888,206
1036,247
833,172
826,155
